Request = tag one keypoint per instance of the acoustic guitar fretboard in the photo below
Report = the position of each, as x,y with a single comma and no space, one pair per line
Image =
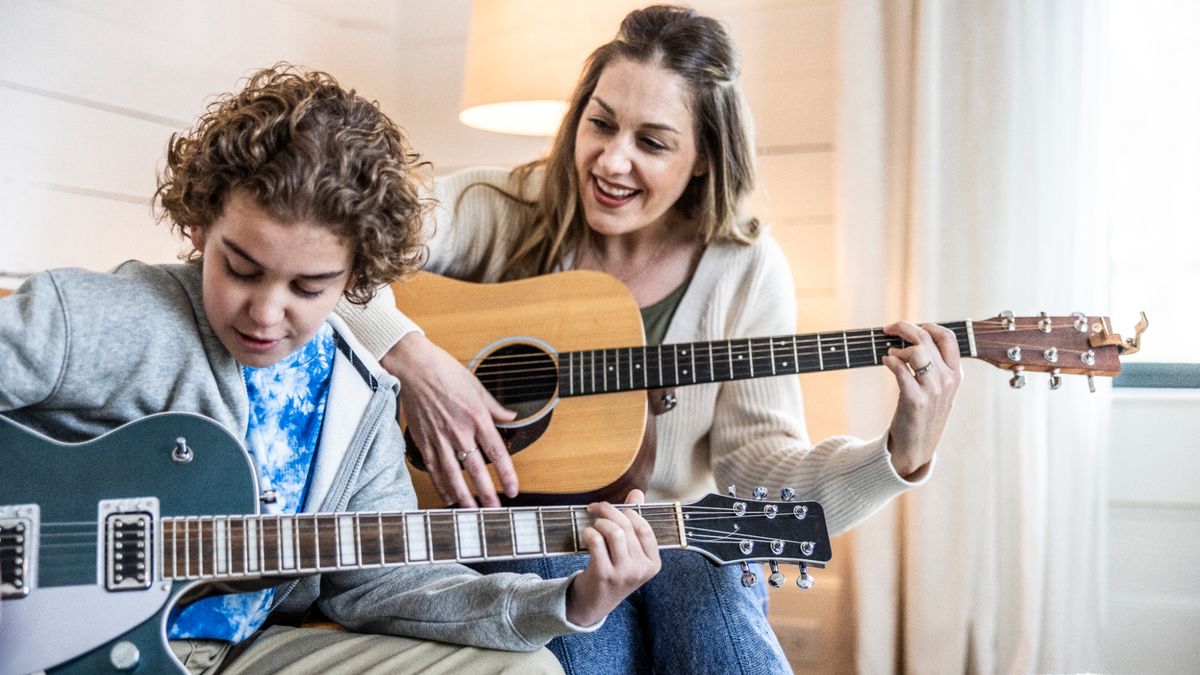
599,371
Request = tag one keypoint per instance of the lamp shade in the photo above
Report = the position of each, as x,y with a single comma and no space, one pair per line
524,58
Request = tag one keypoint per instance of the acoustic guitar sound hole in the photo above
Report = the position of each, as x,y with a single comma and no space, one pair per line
521,376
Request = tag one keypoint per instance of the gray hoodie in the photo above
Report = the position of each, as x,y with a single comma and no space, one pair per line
82,353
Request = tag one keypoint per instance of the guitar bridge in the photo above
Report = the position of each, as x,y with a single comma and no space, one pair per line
129,543
19,527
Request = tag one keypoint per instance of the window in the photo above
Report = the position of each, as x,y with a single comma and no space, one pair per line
1152,182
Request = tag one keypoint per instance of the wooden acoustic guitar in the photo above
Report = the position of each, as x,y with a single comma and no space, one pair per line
565,352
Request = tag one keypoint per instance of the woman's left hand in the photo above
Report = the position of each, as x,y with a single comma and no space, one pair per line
928,374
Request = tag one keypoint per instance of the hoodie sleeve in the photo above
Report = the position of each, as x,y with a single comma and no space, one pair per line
33,343
444,602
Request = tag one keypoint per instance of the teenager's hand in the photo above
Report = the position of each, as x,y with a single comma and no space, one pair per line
449,412
624,556
928,374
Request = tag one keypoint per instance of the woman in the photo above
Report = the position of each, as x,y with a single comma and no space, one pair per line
645,181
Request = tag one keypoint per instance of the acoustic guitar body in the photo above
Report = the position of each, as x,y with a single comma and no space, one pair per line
565,449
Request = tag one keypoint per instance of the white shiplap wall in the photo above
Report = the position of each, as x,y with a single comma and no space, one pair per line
91,91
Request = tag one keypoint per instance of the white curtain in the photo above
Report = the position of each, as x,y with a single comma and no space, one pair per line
967,185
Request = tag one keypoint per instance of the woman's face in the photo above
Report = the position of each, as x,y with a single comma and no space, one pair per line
635,149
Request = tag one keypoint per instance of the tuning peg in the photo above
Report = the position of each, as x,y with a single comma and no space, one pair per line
787,494
748,578
777,580
1081,321
1091,383
760,493
804,581
1017,380
1045,324
1055,379
731,491
1007,321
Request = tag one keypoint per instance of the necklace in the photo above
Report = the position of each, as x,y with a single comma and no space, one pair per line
627,279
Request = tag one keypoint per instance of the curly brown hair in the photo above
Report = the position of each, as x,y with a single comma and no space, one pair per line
307,150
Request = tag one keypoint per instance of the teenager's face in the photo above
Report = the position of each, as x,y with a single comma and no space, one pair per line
635,149
268,285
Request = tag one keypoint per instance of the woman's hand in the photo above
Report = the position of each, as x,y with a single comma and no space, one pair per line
449,414
928,374
624,556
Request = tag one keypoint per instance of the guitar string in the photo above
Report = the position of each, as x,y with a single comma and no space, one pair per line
666,507
860,336
539,366
763,346
664,515
744,346
589,385
551,513
856,338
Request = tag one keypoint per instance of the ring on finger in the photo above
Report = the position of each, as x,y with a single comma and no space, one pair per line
464,454
923,369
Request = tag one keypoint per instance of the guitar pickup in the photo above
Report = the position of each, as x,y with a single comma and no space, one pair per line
19,528
129,545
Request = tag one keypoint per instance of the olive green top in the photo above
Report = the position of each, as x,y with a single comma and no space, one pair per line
657,317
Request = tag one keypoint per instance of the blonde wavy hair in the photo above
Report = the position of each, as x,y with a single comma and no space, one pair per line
307,150
699,50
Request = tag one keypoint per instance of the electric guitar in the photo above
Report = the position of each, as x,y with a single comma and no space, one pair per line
544,347
98,540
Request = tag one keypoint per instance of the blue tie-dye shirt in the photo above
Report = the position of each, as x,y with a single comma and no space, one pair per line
287,406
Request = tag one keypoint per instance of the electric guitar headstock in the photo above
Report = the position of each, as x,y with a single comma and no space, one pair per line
1075,345
727,529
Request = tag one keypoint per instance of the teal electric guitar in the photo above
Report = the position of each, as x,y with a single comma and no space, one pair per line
99,540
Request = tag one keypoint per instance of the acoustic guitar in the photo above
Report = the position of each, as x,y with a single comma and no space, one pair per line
565,351
99,540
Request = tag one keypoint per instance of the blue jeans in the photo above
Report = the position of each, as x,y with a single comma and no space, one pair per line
693,617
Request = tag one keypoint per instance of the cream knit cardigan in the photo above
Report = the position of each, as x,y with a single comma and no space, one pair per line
746,433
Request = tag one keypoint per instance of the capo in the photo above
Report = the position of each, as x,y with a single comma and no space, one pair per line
1125,346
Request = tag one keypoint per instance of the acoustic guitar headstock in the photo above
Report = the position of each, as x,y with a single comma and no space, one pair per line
1074,345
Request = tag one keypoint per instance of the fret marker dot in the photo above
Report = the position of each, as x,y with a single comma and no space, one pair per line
785,363
637,365
739,357
685,371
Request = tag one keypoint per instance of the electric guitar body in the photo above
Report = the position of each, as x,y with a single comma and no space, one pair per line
72,490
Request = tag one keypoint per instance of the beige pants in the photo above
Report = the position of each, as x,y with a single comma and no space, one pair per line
282,649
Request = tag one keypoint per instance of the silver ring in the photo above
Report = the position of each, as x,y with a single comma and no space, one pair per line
463,454
923,369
